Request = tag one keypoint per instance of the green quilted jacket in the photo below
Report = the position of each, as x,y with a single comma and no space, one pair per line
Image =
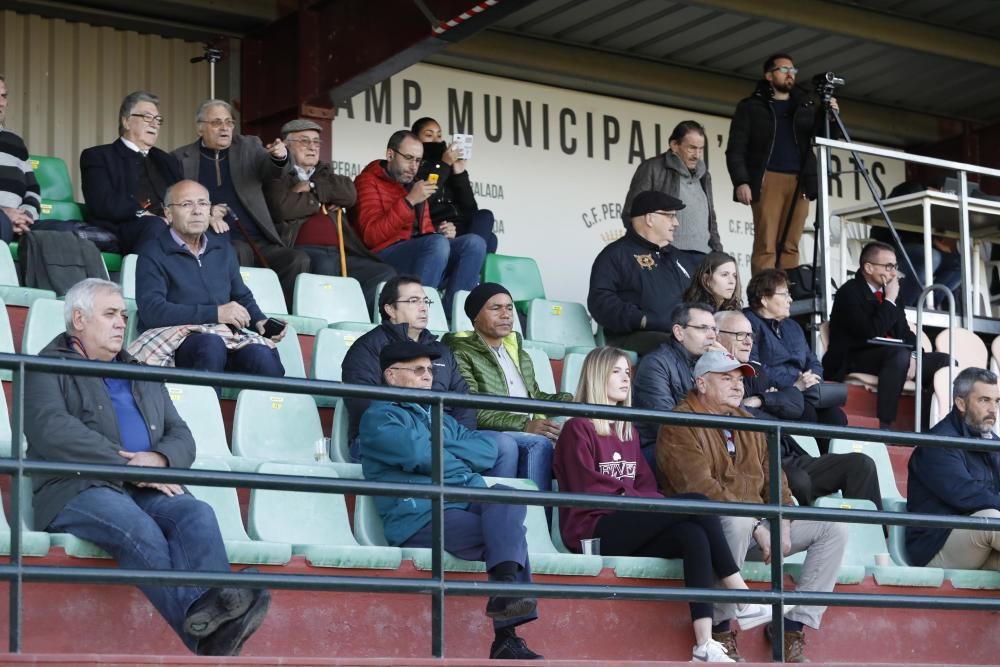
482,372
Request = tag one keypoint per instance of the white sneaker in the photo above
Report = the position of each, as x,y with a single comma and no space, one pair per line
752,615
710,651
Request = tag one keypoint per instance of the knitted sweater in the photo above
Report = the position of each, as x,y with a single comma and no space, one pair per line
18,187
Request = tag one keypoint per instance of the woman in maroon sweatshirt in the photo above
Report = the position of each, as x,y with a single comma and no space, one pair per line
601,456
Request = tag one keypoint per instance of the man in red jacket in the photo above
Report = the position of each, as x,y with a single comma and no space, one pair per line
394,221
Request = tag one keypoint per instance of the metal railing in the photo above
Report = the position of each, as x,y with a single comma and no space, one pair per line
16,572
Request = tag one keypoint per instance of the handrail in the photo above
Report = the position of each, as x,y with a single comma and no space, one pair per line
17,466
918,397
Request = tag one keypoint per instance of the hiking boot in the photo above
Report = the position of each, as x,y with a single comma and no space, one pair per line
230,637
512,648
506,609
795,643
728,641
214,608
710,651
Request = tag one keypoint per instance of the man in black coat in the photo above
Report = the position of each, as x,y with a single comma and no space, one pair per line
771,162
124,182
864,309
143,525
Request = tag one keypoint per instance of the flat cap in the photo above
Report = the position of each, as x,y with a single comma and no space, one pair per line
650,201
404,351
299,125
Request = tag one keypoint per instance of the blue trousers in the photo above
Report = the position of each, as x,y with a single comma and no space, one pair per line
207,352
487,532
946,269
445,264
481,224
143,529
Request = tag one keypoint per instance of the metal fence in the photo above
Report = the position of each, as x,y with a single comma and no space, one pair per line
437,587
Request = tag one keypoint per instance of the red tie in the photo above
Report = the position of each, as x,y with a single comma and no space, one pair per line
879,296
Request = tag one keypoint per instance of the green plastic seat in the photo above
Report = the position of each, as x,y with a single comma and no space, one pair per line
60,210
226,505
331,347
329,298
126,277
808,443
33,543
6,339
53,178
70,544
520,275
45,321
571,371
265,287
543,368
113,261
877,452
199,407
339,446
437,320
315,525
864,540
278,427
560,323
290,353
6,434
10,285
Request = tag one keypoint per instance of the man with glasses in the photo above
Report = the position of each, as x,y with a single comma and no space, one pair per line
771,162
666,375
731,465
869,334
304,203
396,447
636,281
189,277
124,182
394,220
234,168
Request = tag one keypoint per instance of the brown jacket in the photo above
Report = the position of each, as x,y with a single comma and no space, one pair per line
694,460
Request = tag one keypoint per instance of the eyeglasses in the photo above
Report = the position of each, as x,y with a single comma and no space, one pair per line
889,266
786,294
418,371
667,214
219,123
191,205
740,335
315,143
702,327
414,159
785,69
415,300
148,117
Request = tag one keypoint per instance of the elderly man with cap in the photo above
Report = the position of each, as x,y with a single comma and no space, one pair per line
396,447
492,361
304,204
732,466
637,280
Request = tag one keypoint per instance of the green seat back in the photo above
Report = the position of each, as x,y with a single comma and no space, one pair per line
572,368
126,278
45,321
53,178
808,443
437,320
339,446
543,368
330,298
331,347
563,322
299,517
290,353
266,289
275,426
199,407
60,210
519,275
877,452
8,272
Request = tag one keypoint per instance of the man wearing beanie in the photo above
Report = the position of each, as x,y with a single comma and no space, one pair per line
492,360
396,447
637,280
304,202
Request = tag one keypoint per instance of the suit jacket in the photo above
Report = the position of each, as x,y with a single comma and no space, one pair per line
109,181
250,167
858,316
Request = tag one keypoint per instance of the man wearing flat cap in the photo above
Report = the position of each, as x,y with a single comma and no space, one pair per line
396,447
637,280
304,204
731,465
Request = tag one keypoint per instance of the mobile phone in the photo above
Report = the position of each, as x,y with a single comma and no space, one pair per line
433,177
273,326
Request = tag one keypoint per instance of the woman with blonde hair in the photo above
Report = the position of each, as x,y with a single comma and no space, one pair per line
603,456
716,281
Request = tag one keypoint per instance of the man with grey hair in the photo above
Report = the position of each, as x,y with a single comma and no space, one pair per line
304,204
124,181
143,525
234,168
957,482
20,198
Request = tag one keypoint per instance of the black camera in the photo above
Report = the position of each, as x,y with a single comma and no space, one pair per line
827,79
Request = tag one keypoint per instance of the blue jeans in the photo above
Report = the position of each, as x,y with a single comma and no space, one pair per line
144,529
481,224
207,352
534,459
444,264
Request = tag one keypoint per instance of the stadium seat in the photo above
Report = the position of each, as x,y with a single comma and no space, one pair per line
314,524
265,287
60,210
290,353
279,427
6,339
543,368
53,178
331,347
970,350
864,540
199,407
437,319
808,443
45,321
995,355
878,453
10,285
6,434
226,505
339,445
33,543
559,327
571,371
70,544
329,298
126,277
520,275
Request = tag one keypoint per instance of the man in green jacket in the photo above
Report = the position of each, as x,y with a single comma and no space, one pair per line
492,361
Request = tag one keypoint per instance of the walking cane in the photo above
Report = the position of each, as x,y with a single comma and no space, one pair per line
340,241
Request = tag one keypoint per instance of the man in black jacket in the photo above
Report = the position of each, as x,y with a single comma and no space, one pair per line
636,281
771,162
143,525
864,308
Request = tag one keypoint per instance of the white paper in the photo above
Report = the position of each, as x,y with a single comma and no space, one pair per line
463,144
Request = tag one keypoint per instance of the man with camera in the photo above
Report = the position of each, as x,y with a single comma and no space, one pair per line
771,163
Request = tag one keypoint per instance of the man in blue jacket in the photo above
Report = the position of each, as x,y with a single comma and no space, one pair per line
945,480
396,447
187,276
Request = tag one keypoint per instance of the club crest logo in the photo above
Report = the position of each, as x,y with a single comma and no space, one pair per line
645,261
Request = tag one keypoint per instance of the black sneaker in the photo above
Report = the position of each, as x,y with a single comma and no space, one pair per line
512,648
506,609
230,637
214,608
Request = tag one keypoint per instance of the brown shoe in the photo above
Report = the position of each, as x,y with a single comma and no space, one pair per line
728,641
795,644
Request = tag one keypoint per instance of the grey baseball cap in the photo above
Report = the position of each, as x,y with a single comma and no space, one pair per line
717,361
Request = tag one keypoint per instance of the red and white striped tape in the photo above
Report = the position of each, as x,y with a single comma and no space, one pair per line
465,16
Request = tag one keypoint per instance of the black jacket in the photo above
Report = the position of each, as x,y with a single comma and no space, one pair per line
663,379
787,403
70,419
108,182
751,138
948,481
361,366
632,278
857,316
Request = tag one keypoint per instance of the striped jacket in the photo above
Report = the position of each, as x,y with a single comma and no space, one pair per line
18,187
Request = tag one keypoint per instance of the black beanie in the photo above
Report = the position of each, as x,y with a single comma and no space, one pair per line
480,295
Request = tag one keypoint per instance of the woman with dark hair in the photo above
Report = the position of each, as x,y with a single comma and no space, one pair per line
454,202
716,282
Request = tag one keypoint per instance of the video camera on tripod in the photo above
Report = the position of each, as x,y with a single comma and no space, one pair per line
825,83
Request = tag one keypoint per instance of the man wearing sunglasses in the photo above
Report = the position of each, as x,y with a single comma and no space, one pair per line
771,162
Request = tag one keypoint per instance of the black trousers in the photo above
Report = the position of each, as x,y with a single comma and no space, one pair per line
834,416
286,262
698,539
891,364
854,475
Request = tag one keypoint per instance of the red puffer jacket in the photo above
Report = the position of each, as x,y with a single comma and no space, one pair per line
382,215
